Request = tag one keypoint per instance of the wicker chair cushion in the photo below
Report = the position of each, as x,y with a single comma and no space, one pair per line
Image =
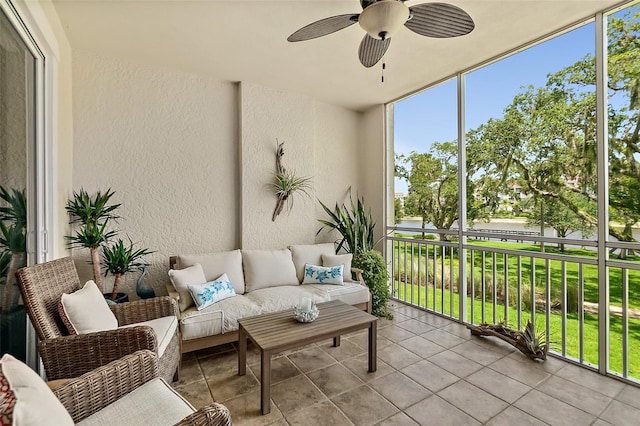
35,404
164,327
87,311
181,278
154,403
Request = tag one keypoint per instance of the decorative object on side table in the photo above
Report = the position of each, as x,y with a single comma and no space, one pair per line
144,291
306,311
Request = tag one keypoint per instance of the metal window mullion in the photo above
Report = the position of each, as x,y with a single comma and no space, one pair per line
435,276
462,202
519,290
547,301
581,312
483,283
393,267
532,291
419,276
426,275
602,132
404,275
505,261
494,285
451,283
411,275
472,320
443,255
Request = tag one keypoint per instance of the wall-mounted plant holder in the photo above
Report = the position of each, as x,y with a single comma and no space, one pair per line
285,184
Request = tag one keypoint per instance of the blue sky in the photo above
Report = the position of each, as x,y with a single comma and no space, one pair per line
431,116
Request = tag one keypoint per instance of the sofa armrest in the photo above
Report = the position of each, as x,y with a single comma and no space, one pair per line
71,356
144,310
171,291
212,415
359,277
90,393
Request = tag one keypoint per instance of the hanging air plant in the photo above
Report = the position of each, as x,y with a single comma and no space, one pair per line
285,184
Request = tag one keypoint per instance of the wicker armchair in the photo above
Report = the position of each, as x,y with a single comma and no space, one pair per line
66,356
98,389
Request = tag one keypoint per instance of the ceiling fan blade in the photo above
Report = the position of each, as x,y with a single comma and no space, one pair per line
372,50
324,27
439,20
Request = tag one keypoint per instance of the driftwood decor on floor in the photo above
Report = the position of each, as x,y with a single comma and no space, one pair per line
527,341
286,184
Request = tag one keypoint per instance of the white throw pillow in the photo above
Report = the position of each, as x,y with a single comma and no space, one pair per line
268,268
181,278
86,311
216,264
211,292
339,259
314,274
25,399
309,253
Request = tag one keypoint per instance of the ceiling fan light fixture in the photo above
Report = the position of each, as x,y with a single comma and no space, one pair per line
384,18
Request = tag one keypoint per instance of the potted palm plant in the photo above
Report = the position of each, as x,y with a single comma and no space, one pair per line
93,215
356,227
118,259
13,238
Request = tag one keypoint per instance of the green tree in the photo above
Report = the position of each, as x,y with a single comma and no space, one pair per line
398,210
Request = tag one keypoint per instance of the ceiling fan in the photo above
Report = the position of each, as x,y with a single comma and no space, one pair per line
381,19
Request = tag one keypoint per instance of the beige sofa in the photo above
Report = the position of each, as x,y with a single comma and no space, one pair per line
264,281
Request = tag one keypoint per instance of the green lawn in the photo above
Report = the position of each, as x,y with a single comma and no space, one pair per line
590,280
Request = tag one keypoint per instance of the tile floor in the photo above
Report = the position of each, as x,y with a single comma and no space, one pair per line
431,371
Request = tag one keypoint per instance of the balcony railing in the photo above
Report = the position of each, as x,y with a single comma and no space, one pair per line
506,279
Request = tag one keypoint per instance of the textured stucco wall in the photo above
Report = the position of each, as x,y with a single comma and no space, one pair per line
320,142
190,158
166,143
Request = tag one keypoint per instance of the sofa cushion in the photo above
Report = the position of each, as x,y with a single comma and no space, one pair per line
221,317
86,311
164,327
277,299
323,274
216,264
268,268
181,278
339,259
209,293
154,403
349,293
309,253
25,399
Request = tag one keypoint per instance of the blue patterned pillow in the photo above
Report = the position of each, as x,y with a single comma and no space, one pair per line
314,274
209,293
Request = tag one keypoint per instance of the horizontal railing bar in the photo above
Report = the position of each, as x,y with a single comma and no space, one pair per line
425,242
623,264
623,245
537,255
421,230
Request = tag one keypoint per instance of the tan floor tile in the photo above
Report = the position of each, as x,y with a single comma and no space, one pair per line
430,375
363,406
421,346
399,389
189,372
245,410
600,422
395,333
619,413
472,400
197,393
477,353
363,342
360,367
397,356
224,388
386,322
522,372
203,353
433,320
552,411
281,369
311,359
512,416
334,379
347,349
498,385
295,393
400,419
409,311
459,330
320,414
575,395
415,326
591,380
455,364
219,365
550,365
493,344
443,338
630,395
438,412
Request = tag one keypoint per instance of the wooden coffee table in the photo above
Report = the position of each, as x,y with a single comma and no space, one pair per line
277,332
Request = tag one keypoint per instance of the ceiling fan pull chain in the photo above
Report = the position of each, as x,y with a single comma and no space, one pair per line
384,65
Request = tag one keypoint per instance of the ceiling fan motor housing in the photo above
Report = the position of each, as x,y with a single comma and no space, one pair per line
382,19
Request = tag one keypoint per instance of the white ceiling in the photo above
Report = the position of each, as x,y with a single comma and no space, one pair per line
241,40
